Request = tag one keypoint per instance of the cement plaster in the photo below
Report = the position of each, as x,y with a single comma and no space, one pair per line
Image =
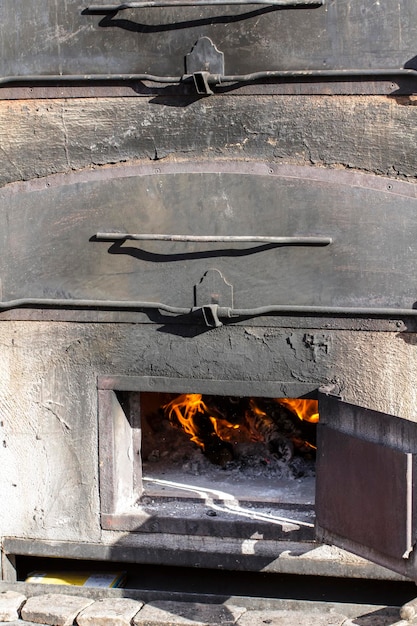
48,398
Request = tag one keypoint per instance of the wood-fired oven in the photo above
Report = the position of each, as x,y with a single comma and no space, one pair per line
180,234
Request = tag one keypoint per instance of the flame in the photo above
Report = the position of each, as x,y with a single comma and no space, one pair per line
234,433
184,408
246,430
307,410
201,421
256,416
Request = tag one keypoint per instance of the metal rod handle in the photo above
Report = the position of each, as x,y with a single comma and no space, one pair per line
212,79
226,312
148,4
288,241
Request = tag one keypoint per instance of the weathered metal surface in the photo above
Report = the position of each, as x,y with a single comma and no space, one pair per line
207,552
53,256
231,239
398,85
402,325
204,57
368,482
366,486
288,4
67,39
224,386
320,131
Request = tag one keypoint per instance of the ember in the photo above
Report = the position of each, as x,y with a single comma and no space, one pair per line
218,424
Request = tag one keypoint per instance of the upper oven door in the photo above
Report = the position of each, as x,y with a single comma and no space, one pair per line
98,39
366,483
195,234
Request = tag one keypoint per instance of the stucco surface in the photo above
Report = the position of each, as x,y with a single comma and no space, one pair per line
48,397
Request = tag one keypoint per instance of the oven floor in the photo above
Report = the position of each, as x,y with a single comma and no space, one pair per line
254,476
218,486
245,471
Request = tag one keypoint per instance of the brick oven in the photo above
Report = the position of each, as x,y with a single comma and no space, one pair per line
215,200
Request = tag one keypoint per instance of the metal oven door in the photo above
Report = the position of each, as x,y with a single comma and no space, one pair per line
366,483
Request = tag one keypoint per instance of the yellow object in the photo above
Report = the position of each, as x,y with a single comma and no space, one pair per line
80,579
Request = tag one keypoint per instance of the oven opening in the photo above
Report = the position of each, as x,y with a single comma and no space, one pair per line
206,463
252,448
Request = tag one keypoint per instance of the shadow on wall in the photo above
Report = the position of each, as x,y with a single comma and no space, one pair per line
110,21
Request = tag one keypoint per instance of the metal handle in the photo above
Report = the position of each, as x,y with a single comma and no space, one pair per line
147,4
288,241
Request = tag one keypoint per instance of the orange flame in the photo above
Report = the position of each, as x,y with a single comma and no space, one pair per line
254,424
184,408
235,433
307,410
254,418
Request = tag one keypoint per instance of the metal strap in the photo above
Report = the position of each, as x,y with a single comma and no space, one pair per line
148,4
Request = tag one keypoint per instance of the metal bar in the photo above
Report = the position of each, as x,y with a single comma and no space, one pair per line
289,241
339,73
214,79
76,78
409,506
281,309
148,4
92,304
224,312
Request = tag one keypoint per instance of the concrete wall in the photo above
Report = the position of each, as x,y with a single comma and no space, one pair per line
48,401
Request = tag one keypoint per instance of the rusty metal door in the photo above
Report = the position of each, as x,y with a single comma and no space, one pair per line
366,483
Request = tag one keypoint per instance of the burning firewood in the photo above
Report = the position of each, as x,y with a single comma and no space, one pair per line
218,423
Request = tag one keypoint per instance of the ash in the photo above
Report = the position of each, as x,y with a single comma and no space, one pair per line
173,453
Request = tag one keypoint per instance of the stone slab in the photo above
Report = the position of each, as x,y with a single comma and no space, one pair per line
109,612
165,613
21,623
54,609
10,604
291,618
408,611
377,620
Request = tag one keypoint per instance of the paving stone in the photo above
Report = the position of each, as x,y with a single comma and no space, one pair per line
20,622
408,611
166,613
109,612
10,604
377,620
54,609
291,618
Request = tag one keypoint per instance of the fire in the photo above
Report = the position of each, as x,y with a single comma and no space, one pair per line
307,410
235,433
260,423
219,422
184,408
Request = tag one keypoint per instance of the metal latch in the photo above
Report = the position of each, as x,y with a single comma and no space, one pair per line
211,317
204,61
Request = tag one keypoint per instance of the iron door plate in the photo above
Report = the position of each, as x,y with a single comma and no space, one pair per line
50,250
366,485
49,38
